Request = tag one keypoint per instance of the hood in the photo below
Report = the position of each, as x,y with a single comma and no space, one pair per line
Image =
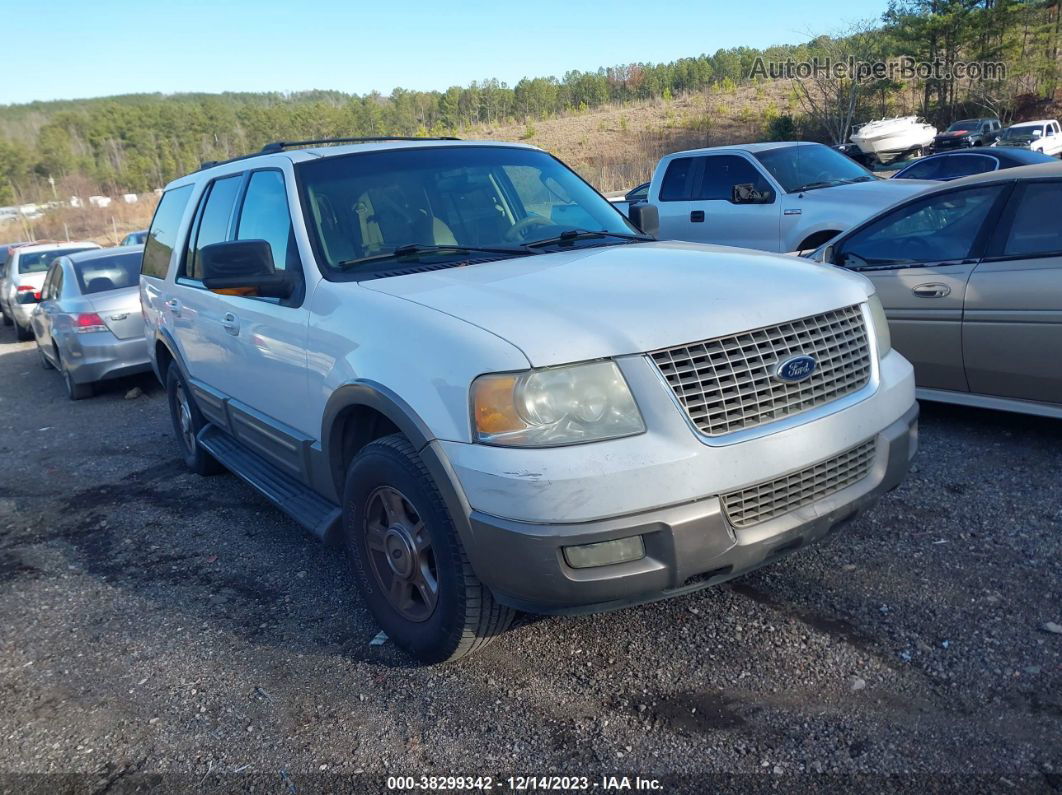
590,303
954,133
862,197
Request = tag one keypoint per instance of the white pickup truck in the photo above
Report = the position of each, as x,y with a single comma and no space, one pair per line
1044,136
772,196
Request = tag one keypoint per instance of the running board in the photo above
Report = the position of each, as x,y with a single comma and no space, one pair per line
298,501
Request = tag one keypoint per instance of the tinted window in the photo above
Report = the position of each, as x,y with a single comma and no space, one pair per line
1035,229
162,236
639,194
723,172
46,288
38,261
214,219
965,165
100,274
677,185
931,168
935,229
265,216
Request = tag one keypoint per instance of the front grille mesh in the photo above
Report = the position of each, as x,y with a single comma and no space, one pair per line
772,498
726,384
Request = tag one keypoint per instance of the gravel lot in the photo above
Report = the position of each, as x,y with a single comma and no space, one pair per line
157,628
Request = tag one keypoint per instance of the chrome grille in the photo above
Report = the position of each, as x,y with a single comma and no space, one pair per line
772,498
726,384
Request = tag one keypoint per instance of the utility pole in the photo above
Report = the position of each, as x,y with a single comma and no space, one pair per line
51,181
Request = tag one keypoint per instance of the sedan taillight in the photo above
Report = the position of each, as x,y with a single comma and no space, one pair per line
87,322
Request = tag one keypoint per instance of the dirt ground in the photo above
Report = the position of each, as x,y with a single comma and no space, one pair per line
164,631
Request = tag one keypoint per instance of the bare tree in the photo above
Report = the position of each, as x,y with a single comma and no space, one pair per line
830,97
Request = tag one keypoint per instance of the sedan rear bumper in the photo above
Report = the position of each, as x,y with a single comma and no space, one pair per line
99,356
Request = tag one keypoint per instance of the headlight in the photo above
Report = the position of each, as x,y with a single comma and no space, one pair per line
554,406
881,325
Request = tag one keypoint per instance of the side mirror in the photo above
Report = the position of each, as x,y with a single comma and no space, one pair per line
244,267
646,217
747,193
28,297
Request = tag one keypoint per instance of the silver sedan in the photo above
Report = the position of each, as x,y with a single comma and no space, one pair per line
88,323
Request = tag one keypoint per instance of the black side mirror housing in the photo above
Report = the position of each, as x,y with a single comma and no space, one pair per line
646,217
244,267
748,193
28,297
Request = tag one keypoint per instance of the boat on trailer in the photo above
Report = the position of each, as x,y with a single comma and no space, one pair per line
889,138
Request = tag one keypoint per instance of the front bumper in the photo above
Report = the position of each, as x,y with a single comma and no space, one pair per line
99,356
688,546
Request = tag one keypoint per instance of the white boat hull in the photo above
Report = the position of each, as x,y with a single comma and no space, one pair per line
893,136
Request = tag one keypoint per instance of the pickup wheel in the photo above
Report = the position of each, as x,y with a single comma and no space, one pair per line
408,560
187,422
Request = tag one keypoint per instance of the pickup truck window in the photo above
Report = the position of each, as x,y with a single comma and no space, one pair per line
803,167
367,206
723,172
677,185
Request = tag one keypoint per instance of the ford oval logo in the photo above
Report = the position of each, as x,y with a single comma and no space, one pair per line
795,368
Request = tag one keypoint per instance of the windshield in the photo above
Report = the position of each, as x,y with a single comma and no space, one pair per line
963,126
1022,133
804,167
456,201
38,261
100,274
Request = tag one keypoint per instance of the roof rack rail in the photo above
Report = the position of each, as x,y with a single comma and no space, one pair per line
280,146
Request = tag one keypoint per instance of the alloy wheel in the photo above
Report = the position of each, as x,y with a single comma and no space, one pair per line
400,554
184,419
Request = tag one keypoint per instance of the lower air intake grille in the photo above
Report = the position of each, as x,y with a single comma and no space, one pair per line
772,498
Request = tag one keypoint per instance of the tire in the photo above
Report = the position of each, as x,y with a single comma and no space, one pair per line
187,422
74,390
7,319
415,531
21,334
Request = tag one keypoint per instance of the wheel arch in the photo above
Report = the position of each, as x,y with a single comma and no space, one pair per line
356,414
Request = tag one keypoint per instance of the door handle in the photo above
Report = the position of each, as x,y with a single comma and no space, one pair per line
174,306
931,290
697,216
231,323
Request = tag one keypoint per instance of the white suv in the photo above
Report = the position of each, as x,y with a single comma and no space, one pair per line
460,362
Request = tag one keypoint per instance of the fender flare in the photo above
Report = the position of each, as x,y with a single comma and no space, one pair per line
166,338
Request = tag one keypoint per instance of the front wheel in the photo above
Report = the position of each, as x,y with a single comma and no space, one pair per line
408,560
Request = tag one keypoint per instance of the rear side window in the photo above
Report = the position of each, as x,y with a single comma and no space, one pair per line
214,221
162,236
1035,230
678,180
723,172
265,216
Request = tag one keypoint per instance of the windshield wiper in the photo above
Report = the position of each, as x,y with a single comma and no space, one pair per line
814,186
415,250
571,235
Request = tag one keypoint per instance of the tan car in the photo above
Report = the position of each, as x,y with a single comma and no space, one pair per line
970,274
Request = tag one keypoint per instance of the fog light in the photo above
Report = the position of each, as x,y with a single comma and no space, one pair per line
605,553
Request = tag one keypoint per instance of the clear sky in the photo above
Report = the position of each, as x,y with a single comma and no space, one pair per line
57,49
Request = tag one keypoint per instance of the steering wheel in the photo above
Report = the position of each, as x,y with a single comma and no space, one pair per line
518,231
